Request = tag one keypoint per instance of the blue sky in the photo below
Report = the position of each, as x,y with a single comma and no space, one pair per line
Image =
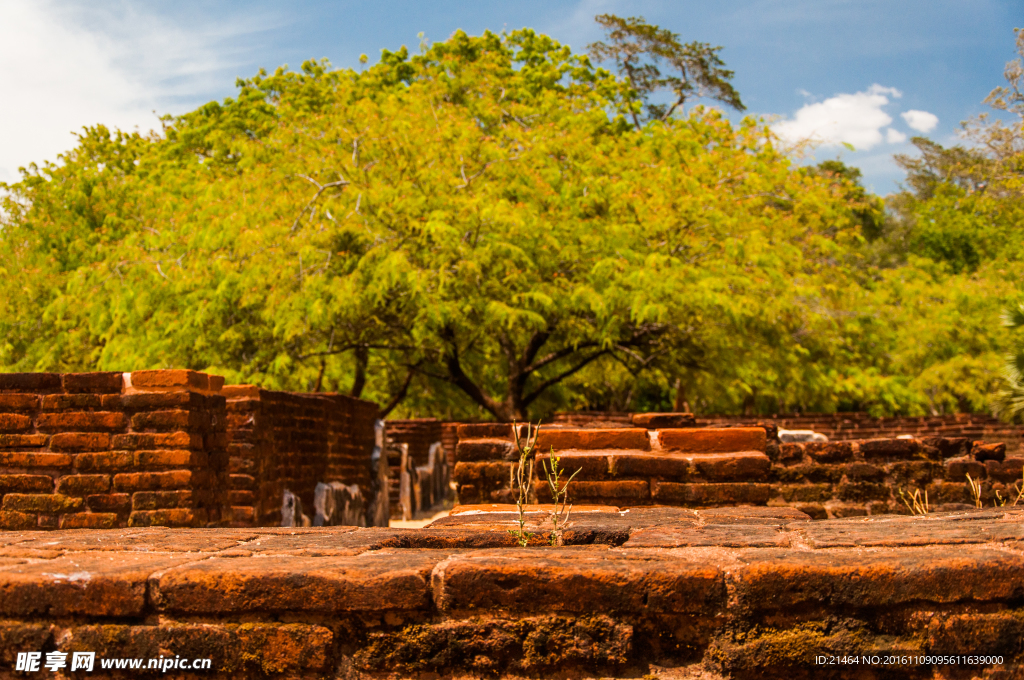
832,70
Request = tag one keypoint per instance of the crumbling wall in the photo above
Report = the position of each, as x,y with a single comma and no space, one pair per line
282,441
661,463
101,450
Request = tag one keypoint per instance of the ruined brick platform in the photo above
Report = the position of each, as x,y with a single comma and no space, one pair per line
669,592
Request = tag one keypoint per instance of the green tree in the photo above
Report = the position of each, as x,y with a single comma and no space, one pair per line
640,51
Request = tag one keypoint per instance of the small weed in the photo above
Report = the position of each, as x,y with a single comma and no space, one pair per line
521,478
914,502
559,493
975,486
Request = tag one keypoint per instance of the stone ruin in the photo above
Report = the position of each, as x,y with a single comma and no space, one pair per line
691,553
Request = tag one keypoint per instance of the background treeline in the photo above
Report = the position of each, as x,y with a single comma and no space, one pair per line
496,227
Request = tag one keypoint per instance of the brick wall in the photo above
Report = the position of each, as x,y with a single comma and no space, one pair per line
97,450
841,426
659,464
728,593
282,440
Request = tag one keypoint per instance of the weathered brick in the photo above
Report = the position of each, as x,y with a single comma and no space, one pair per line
106,461
860,579
621,438
110,502
710,494
791,453
49,503
29,382
165,421
83,485
805,493
16,636
180,378
25,484
89,520
713,440
160,500
168,517
70,402
96,383
746,466
485,449
521,582
241,497
21,459
957,469
161,400
57,587
900,449
863,472
621,492
657,421
23,441
862,491
46,521
18,402
247,482
169,458
80,441
1009,470
142,481
484,431
171,440
82,421
829,452
14,422
11,520
982,451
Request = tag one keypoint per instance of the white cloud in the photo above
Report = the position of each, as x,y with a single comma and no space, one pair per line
856,119
922,121
67,66
895,136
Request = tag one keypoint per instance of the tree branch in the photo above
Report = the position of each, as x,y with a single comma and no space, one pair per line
529,399
321,188
400,395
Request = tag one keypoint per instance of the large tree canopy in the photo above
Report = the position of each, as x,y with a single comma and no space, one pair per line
479,230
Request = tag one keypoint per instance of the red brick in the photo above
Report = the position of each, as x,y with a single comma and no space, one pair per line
106,461
709,494
957,469
621,492
982,451
168,517
727,536
885,578
80,441
139,481
829,452
70,402
746,466
245,515
83,485
485,449
141,380
16,636
45,521
89,520
863,472
57,587
18,402
169,458
161,500
161,400
397,581
82,421
1009,470
20,459
713,440
11,520
791,453
164,420
592,465
216,383
96,383
47,503
23,441
804,493
622,438
575,580
247,482
25,484
900,449
29,382
484,431
656,421
14,422
173,440
111,502
241,497
659,465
